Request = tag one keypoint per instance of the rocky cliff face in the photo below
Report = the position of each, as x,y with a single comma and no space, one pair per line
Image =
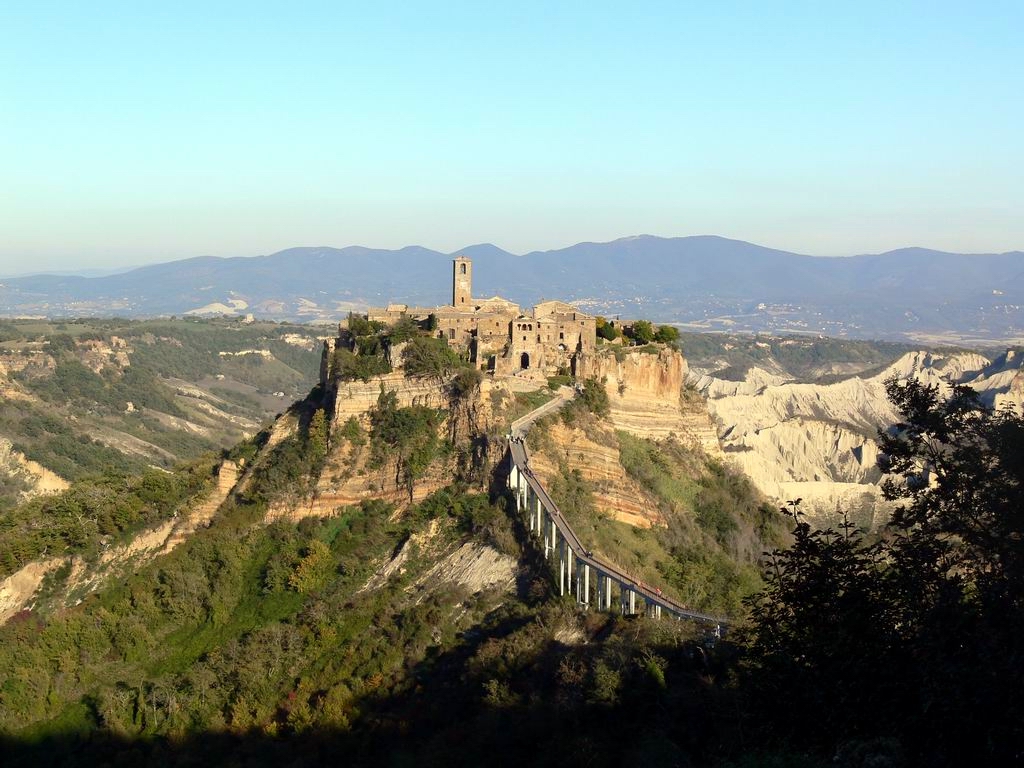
817,441
37,478
648,398
357,398
19,590
347,478
595,453
646,394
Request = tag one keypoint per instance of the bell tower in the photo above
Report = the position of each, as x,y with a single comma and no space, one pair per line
462,283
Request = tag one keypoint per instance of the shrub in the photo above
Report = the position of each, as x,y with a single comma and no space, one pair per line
431,358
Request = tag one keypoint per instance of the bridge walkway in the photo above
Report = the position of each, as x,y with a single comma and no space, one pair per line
578,570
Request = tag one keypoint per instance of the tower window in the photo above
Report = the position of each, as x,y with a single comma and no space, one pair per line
463,267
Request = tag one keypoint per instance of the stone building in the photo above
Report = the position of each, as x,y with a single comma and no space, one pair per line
497,334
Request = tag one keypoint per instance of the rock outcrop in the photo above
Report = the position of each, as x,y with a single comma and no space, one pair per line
36,477
646,395
347,478
357,398
645,391
818,442
596,456
18,590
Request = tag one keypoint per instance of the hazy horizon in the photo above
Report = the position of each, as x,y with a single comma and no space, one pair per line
131,136
89,271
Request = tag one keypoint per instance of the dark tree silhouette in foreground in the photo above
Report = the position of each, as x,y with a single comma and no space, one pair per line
908,648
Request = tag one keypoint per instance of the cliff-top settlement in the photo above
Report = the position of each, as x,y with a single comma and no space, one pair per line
497,334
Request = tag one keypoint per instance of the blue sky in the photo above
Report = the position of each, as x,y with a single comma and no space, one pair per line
137,132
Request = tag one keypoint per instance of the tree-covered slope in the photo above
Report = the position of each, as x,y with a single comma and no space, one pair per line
92,396
425,633
289,641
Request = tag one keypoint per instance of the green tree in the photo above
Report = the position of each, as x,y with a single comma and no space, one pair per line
429,358
347,366
819,623
403,330
314,569
606,330
595,397
642,332
317,438
409,435
920,636
667,334
358,325
465,383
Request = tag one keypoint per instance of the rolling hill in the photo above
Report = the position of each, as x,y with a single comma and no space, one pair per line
706,283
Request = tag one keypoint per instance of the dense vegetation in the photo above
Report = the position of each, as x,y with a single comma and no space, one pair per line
592,398
187,348
96,396
53,441
715,526
408,436
910,647
638,332
96,511
369,348
253,644
281,644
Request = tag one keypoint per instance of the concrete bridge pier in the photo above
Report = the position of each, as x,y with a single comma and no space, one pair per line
563,564
528,510
569,559
600,578
582,583
519,486
627,600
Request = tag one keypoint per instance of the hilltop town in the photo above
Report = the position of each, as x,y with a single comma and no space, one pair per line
496,334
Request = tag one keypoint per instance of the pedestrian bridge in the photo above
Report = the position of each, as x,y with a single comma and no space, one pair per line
591,580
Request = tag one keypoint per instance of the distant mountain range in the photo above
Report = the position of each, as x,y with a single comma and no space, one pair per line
700,282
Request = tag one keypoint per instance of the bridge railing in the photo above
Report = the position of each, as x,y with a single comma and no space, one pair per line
553,524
